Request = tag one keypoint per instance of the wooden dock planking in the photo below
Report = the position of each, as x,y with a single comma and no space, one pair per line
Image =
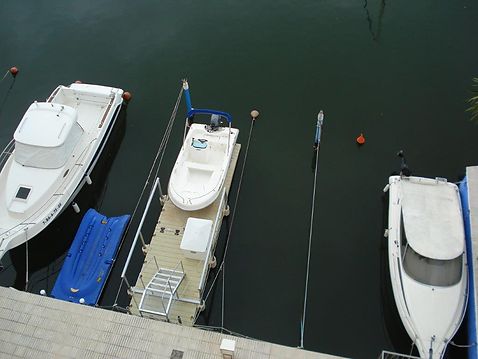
164,249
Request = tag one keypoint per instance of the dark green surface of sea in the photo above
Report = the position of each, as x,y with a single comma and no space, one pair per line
398,71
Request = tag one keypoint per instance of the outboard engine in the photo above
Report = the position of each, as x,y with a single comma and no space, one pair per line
404,170
214,123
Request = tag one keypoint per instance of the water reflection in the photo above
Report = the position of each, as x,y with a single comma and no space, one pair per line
377,32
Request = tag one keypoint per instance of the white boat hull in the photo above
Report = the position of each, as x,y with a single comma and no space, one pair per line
200,170
98,108
431,314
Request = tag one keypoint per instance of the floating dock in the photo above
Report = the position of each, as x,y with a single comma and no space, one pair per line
171,284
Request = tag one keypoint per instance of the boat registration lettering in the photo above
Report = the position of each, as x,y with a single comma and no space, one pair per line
52,214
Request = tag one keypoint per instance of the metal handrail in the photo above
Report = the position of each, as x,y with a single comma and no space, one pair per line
138,232
6,153
217,223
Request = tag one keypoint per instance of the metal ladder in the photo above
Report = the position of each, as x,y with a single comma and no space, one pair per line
160,292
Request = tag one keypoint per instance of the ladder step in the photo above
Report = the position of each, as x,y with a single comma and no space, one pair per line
158,291
165,279
171,286
152,312
166,276
170,271
162,280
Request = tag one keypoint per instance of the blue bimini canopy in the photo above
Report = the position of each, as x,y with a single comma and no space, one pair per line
90,258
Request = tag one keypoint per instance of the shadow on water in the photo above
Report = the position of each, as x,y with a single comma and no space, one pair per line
377,32
212,314
48,249
397,334
209,316
7,94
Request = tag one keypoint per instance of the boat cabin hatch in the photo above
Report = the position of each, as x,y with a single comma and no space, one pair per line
47,135
429,271
23,193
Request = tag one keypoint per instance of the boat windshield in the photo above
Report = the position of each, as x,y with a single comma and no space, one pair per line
427,270
431,271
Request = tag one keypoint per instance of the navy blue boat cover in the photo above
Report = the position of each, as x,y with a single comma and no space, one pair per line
90,258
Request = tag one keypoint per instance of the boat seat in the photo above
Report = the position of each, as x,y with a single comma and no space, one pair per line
199,166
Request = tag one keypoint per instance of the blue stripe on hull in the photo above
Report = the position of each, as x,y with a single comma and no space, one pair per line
471,313
90,258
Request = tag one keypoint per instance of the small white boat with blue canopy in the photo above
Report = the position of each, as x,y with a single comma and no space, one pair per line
55,147
427,260
201,167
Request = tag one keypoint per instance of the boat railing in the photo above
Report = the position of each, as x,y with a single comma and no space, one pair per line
139,235
7,152
209,252
391,355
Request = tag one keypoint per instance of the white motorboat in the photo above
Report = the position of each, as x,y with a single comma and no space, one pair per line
427,260
55,147
201,167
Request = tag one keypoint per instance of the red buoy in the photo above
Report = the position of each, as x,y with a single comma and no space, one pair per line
78,82
127,96
14,71
361,139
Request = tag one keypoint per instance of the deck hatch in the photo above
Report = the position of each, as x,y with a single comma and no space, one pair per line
23,193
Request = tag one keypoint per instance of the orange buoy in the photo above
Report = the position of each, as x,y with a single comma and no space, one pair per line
127,96
78,82
13,70
361,139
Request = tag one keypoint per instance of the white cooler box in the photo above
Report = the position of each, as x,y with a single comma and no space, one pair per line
196,237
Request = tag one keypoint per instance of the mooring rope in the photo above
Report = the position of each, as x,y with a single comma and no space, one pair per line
233,215
6,74
311,225
167,134
411,349
222,329
462,345
160,152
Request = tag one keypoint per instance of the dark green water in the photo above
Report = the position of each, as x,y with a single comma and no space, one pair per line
399,72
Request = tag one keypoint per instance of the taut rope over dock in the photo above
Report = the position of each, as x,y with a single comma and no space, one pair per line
149,179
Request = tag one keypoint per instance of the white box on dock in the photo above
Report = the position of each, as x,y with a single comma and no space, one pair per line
227,348
196,237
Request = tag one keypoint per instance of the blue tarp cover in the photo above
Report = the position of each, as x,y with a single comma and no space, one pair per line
472,352
90,258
